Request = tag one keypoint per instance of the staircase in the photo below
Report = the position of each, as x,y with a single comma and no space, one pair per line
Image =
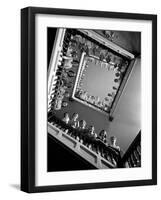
95,159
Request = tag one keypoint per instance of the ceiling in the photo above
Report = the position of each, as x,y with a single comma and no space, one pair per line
131,41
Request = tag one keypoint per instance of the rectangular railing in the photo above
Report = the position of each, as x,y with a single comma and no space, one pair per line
132,157
64,133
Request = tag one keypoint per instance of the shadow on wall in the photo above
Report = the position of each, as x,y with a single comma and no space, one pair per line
127,116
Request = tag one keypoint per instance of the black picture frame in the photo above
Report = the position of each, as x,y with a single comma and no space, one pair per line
28,98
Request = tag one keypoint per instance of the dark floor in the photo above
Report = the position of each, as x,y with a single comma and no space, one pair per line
62,159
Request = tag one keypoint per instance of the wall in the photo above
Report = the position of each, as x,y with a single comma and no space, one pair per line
127,116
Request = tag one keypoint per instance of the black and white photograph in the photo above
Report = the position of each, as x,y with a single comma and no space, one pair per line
88,99
79,100
94,99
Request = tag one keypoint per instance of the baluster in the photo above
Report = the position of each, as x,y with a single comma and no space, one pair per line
126,165
129,162
134,159
136,156
109,157
113,160
138,151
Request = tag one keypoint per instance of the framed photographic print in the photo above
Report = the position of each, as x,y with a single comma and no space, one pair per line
88,99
